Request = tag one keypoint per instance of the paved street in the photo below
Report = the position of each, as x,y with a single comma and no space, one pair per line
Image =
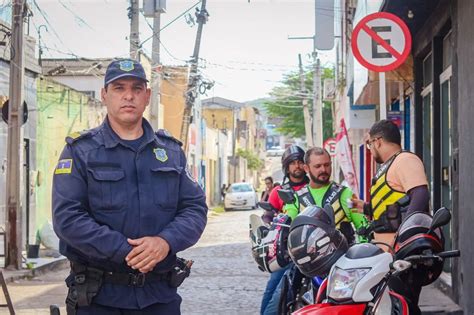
224,279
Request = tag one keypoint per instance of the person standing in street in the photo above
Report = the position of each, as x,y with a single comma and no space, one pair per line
401,176
399,184
294,179
124,204
268,189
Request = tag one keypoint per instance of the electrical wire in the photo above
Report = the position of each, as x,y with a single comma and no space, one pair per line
164,27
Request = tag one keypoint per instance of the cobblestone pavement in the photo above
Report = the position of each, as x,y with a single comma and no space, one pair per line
224,279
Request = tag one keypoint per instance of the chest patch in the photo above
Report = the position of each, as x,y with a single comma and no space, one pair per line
160,154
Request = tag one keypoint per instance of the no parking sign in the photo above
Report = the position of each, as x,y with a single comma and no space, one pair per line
330,146
381,42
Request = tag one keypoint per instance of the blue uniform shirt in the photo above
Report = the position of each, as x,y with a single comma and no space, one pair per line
105,191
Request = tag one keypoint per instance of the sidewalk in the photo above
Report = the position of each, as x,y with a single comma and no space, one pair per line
434,302
40,266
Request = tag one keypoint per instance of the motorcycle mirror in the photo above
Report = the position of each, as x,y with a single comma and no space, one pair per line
401,265
265,205
440,218
287,196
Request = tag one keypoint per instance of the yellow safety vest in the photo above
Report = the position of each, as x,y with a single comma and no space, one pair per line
381,194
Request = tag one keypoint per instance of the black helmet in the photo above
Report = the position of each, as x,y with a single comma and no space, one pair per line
269,245
413,239
314,242
292,153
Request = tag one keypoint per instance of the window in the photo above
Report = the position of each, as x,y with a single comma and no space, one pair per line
447,51
427,70
240,188
91,94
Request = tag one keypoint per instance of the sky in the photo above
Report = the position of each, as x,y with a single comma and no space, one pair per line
244,47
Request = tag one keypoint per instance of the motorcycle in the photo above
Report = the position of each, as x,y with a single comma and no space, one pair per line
269,212
270,252
366,280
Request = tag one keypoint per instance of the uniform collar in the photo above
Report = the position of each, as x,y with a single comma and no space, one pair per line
111,139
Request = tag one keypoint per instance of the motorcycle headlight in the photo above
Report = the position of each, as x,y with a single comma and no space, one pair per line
343,281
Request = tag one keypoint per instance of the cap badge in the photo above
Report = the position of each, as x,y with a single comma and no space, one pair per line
126,65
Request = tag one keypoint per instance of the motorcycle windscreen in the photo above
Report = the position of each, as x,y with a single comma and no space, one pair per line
331,309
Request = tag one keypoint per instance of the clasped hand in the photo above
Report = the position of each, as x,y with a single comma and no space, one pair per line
147,252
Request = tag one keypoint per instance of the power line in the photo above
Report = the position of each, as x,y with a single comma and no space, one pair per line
176,18
77,17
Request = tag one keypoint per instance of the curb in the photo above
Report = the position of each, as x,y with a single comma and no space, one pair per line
14,275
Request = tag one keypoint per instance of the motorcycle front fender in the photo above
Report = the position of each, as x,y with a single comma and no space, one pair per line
331,309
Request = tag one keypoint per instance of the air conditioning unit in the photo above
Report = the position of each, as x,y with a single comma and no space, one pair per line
329,90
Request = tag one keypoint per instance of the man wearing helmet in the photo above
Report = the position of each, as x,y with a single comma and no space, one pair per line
292,162
321,191
295,178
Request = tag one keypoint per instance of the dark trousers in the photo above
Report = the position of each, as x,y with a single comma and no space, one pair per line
172,308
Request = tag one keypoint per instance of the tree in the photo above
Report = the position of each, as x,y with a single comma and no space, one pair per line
286,103
253,161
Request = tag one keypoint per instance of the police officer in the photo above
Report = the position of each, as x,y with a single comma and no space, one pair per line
124,205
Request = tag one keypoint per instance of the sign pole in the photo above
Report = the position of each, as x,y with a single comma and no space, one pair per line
383,96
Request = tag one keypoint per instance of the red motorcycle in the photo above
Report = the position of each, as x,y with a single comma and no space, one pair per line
368,281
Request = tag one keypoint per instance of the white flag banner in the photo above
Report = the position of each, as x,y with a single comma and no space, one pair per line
344,158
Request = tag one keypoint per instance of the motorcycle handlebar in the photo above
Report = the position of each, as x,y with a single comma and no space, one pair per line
442,256
450,253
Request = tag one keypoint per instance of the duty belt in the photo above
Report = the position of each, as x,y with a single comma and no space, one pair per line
133,279
121,278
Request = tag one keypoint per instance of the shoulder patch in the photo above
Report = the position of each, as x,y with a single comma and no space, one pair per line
165,134
64,167
73,137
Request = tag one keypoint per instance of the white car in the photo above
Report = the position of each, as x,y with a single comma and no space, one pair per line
240,196
275,151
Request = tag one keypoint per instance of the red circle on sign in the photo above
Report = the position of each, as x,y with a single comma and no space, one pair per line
399,60
330,146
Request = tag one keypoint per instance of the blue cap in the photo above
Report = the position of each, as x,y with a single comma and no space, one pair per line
124,68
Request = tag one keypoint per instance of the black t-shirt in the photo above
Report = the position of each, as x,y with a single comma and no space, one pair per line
135,144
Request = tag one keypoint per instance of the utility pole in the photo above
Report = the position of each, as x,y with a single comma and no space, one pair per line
40,50
155,76
134,38
317,104
191,93
307,117
14,143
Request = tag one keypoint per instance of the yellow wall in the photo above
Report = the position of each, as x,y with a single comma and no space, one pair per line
61,111
173,86
223,118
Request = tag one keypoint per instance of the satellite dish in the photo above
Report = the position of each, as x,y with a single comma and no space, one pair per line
5,112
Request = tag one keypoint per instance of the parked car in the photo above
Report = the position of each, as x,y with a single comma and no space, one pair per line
240,196
275,151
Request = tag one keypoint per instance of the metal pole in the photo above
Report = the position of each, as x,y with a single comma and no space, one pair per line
307,118
383,96
155,75
234,139
134,28
14,143
317,107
